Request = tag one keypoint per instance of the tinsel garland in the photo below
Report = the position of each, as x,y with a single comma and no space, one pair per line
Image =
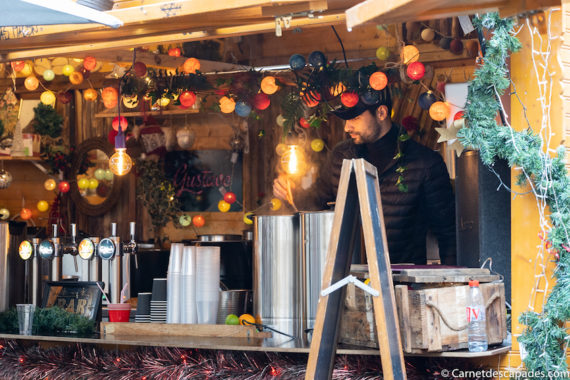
19,361
545,338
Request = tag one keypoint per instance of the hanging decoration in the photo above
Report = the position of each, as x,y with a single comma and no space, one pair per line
426,99
48,75
4,213
25,214
191,66
89,63
223,206
63,186
409,54
198,221
269,85
90,94
76,78
439,111
449,135
5,179
185,138
297,62
378,80
383,53
140,69
31,83
48,98
42,206
227,105
416,70
50,184
110,96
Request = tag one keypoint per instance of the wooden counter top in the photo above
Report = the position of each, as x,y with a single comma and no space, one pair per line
274,344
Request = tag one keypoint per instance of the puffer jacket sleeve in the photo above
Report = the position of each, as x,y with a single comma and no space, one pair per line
325,187
440,209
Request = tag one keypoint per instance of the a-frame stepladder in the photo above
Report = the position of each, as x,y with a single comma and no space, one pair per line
358,201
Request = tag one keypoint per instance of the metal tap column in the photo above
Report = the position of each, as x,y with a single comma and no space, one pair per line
56,263
95,270
116,270
36,276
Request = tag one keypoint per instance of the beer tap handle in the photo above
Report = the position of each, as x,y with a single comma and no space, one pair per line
132,228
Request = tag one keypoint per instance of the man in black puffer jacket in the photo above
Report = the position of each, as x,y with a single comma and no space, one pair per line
414,184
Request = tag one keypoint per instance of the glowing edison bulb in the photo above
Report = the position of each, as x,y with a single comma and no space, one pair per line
120,163
292,160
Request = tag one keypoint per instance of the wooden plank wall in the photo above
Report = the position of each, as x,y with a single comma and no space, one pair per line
564,56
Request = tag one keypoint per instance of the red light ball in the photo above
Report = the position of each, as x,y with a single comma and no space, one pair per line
63,186
174,52
416,70
349,99
140,69
18,65
230,197
89,63
187,98
459,115
124,123
261,101
304,123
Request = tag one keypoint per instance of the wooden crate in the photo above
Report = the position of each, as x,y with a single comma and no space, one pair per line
420,308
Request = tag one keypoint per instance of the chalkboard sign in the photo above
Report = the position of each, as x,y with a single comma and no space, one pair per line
80,297
200,177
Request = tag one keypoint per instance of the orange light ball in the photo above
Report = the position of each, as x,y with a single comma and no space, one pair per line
378,80
89,63
439,111
409,54
275,204
90,94
31,83
50,184
76,78
25,213
174,52
268,85
191,65
227,105
198,221
110,97
18,65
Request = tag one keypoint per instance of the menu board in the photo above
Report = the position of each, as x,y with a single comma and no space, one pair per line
78,297
200,178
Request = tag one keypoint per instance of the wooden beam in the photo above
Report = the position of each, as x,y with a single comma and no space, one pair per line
283,10
323,20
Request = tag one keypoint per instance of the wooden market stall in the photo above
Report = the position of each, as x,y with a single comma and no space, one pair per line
237,36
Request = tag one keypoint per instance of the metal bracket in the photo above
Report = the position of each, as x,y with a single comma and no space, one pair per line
350,279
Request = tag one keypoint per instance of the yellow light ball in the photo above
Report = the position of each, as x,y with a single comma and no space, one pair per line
47,98
247,218
76,77
93,184
409,54
275,204
50,184
120,162
280,149
67,70
224,206
163,102
439,111
317,145
42,206
83,183
31,83
27,70
90,94
382,53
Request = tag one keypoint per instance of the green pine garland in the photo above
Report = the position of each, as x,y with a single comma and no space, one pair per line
52,320
545,338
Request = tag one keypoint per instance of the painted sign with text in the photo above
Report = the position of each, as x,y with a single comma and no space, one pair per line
201,178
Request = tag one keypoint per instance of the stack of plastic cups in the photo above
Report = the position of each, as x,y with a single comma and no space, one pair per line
207,283
174,283
188,294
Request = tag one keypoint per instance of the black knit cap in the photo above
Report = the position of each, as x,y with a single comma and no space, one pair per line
381,97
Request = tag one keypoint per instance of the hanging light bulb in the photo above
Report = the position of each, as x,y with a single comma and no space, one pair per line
292,161
120,162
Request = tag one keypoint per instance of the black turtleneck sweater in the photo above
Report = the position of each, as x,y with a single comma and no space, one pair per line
428,202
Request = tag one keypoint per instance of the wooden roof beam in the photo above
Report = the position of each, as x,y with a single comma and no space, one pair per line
263,27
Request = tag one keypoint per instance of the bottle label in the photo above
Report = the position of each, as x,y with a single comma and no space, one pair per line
475,313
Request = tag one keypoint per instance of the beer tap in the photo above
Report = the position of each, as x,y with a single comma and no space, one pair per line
50,249
131,247
110,250
36,279
26,252
70,248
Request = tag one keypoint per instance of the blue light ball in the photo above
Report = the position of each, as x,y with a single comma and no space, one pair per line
426,99
243,109
369,97
297,62
317,59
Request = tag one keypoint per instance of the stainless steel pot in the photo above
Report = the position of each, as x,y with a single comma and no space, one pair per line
277,274
316,230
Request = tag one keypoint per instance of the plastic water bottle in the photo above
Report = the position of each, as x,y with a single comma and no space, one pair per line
477,323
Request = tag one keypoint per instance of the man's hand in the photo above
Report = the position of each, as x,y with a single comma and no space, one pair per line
280,187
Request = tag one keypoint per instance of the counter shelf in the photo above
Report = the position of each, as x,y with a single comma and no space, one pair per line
274,344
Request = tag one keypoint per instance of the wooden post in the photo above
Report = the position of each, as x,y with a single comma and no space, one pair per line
358,186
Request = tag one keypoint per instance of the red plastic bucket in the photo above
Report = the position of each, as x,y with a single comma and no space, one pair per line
119,312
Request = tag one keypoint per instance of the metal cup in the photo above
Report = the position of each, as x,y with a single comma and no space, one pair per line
26,318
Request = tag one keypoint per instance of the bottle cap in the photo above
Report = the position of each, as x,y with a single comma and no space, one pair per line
473,283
